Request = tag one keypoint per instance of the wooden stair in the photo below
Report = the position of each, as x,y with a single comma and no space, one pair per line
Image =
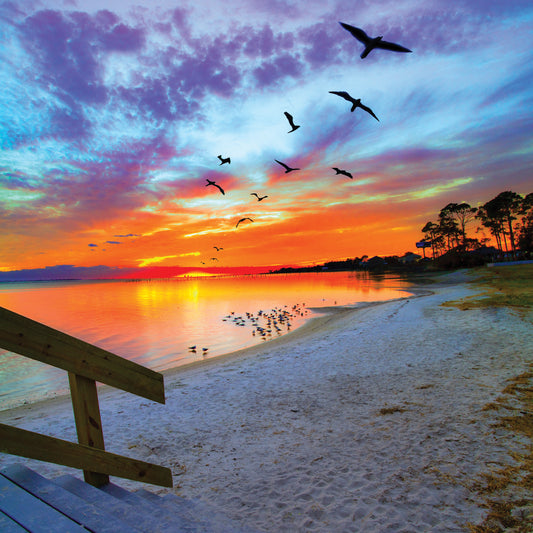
30,502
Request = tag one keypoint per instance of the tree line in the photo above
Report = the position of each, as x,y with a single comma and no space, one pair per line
508,217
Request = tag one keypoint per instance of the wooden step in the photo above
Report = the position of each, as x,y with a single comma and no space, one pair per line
31,513
68,503
30,502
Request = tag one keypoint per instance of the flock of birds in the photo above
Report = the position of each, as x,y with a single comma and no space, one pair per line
264,324
370,44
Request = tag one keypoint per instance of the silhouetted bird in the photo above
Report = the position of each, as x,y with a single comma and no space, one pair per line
209,182
345,172
224,159
242,220
356,102
286,167
259,198
291,122
372,42
217,248
214,259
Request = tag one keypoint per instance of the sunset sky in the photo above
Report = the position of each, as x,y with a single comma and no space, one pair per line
113,113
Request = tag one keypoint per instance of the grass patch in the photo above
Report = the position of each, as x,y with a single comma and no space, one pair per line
504,489
508,491
509,286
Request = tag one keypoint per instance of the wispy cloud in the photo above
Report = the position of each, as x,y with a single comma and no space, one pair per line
112,120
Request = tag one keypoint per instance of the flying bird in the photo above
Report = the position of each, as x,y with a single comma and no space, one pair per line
291,122
214,259
209,182
224,159
217,248
259,198
356,102
242,220
344,172
286,167
372,42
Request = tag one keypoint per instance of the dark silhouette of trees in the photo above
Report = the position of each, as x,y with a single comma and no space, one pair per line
525,231
454,218
508,217
499,214
434,237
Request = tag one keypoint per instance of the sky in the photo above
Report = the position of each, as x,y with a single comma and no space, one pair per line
113,113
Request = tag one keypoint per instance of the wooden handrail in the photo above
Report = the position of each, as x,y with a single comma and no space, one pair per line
27,337
32,445
85,364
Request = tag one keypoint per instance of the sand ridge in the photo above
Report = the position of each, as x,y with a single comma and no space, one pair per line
365,420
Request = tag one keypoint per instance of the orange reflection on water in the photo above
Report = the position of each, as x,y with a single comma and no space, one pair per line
156,322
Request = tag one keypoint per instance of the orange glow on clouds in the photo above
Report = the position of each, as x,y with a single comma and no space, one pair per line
103,172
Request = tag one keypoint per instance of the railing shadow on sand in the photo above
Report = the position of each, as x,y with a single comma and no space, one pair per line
86,364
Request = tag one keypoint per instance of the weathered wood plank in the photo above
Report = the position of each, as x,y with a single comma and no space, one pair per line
7,525
32,339
88,421
32,445
31,513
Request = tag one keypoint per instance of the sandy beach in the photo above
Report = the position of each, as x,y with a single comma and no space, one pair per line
370,419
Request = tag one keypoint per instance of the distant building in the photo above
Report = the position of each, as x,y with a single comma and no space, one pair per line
409,258
375,263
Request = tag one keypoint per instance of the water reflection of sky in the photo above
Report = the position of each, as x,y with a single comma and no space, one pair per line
154,323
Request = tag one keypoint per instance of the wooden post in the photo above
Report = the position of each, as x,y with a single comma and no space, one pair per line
88,421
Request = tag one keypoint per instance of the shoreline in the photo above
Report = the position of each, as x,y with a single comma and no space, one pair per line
372,419
326,316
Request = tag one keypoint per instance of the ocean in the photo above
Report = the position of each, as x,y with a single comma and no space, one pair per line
157,323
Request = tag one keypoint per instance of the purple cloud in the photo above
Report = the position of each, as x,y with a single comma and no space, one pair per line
68,48
122,38
281,67
323,43
68,123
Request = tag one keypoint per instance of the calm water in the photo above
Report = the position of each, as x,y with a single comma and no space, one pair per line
155,322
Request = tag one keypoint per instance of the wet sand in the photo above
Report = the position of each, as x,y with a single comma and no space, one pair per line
367,419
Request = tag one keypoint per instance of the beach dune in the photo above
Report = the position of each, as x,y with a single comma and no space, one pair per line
366,419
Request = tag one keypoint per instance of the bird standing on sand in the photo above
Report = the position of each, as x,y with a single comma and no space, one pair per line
372,42
291,122
344,172
210,182
242,220
224,159
259,198
286,167
356,102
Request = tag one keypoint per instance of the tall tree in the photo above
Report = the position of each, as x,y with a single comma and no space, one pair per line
433,236
525,229
507,206
487,215
455,217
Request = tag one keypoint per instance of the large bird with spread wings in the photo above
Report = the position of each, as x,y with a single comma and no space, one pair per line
372,42
211,182
286,167
356,102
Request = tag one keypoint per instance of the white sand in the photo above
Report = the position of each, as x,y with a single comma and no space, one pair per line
288,436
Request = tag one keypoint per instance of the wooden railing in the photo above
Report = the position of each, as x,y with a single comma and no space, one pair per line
86,364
